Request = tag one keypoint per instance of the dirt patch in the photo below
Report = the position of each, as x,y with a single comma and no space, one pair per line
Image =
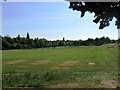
66,85
15,62
60,67
40,62
25,66
108,84
91,63
34,64
65,65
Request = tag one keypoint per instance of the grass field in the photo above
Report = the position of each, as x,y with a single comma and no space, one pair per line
62,67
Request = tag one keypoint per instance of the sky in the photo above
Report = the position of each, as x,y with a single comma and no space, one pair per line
51,20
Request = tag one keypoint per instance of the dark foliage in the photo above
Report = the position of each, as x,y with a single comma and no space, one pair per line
29,43
104,11
28,36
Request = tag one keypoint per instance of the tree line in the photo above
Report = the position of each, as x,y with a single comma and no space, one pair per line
30,43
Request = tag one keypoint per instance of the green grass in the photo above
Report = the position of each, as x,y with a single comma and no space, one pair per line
79,75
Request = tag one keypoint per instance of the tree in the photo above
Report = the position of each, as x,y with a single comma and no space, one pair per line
97,42
5,44
41,43
19,46
90,42
107,40
63,41
63,38
18,37
0,41
28,36
15,40
9,39
104,11
37,42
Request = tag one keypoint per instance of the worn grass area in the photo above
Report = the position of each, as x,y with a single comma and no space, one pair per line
65,67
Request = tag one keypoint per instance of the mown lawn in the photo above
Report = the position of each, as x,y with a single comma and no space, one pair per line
62,67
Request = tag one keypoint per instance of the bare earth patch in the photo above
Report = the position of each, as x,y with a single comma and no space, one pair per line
60,67
40,62
15,62
65,65
25,66
34,64
91,63
66,85
108,84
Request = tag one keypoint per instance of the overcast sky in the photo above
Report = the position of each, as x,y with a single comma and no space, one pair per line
51,20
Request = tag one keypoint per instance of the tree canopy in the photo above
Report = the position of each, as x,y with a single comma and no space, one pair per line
25,43
104,11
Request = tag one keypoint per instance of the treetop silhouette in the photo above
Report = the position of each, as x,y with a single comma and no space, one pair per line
104,11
